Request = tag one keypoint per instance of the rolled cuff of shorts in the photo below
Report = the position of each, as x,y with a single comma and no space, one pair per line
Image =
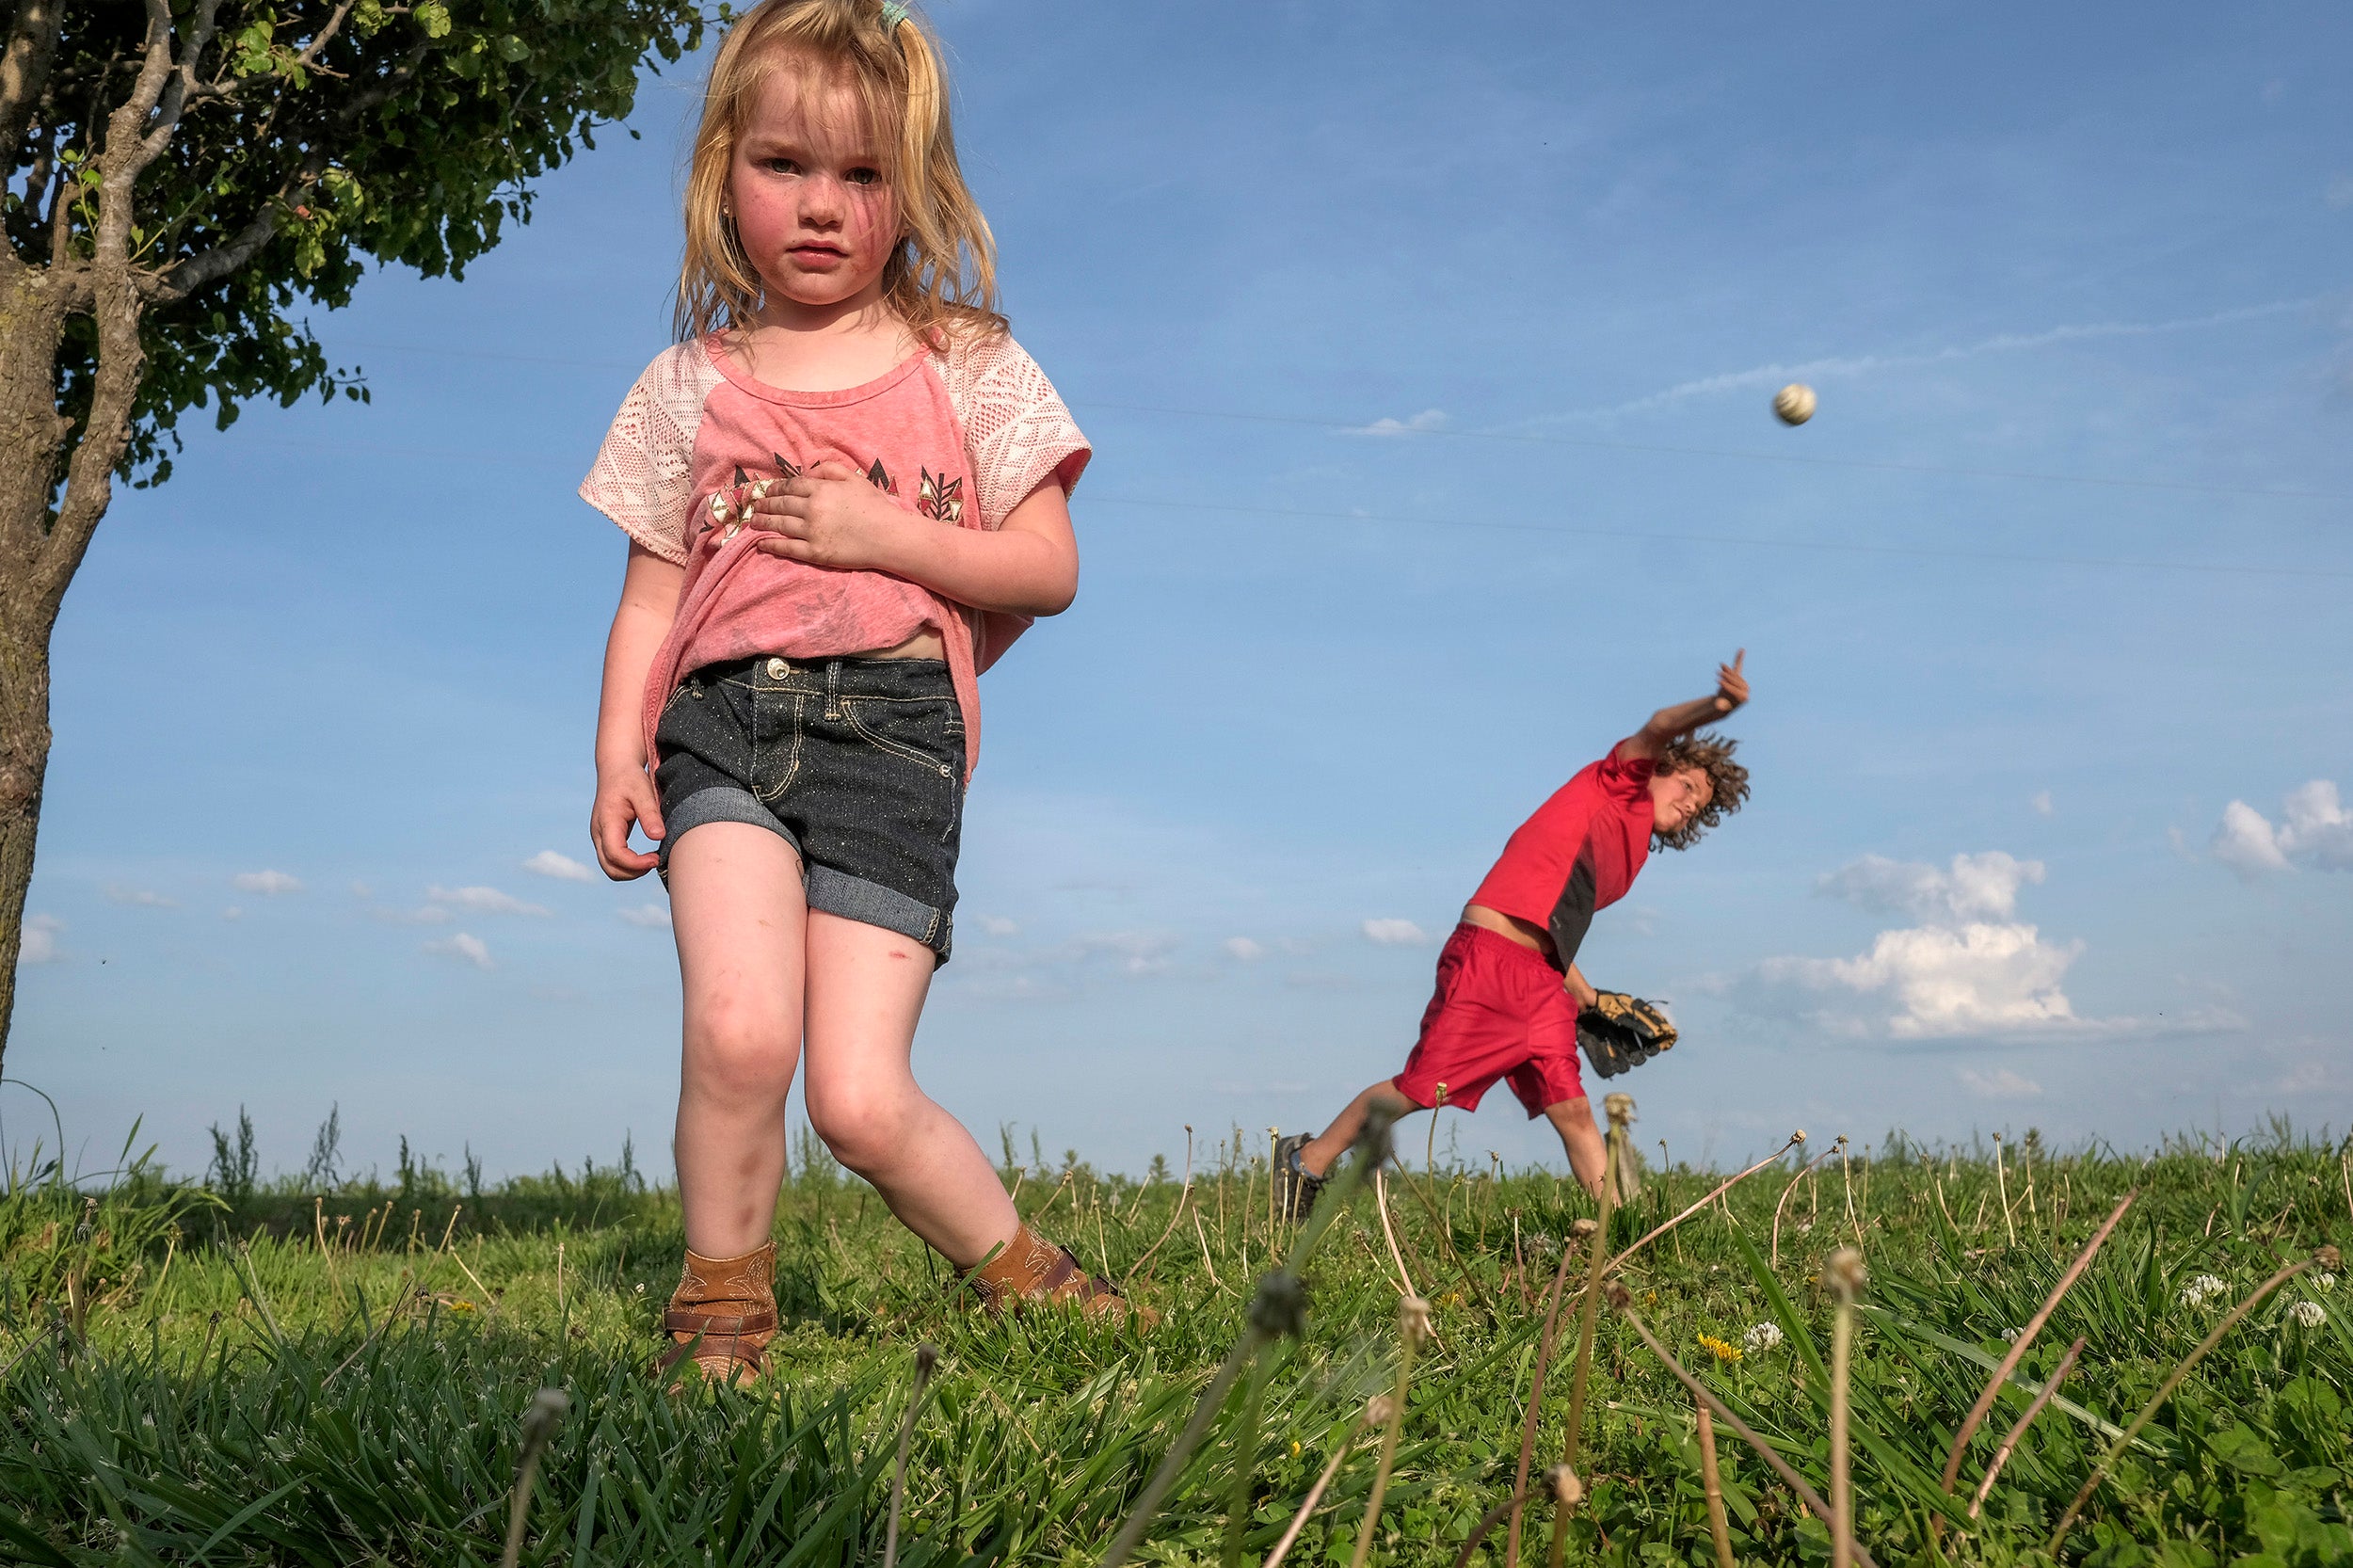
854,898
719,803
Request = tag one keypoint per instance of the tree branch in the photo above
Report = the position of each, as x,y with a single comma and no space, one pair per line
309,59
24,62
191,273
183,81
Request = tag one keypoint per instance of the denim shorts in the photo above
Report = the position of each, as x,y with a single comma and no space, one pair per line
856,763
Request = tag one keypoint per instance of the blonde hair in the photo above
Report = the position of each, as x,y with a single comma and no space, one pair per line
942,274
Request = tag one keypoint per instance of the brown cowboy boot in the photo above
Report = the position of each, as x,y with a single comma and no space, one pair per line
722,1315
1031,1269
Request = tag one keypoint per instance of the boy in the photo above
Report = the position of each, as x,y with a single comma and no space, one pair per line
1509,990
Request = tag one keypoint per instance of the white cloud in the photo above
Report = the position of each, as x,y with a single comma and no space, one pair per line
2314,830
137,897
1999,1084
1134,951
37,941
1827,369
1128,953
1415,425
233,912
2042,802
430,914
563,867
652,917
1977,886
269,884
1244,948
361,889
1942,982
2339,191
996,926
1395,934
485,900
1968,970
465,949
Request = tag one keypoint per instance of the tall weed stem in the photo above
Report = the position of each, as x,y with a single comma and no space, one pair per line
926,1358
1585,1315
1278,1310
539,1423
1623,1300
1412,1327
1712,1482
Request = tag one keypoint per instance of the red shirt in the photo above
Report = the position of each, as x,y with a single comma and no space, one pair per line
1579,853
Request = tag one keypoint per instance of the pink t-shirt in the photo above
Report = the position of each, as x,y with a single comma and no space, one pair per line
961,435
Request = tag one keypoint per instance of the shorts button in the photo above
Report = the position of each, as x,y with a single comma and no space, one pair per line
778,669
945,772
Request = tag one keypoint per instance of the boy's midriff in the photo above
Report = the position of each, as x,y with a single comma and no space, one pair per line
1510,928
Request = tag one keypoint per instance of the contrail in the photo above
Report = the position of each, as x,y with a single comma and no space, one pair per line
1863,364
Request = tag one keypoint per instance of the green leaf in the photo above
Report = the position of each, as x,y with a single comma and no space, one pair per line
31,1548
433,17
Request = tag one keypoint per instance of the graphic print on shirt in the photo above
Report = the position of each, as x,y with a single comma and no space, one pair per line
1572,916
939,498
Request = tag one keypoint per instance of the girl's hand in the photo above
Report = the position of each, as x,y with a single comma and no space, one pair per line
625,798
832,516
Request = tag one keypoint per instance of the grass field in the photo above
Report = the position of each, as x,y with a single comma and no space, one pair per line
317,1371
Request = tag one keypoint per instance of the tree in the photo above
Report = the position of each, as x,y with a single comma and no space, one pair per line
183,177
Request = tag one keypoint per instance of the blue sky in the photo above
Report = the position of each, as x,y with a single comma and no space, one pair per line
1428,371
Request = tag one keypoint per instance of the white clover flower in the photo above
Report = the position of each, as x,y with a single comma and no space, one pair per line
1760,1339
2325,1282
2309,1314
2198,1291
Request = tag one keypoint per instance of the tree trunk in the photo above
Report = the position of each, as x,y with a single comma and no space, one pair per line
23,761
33,312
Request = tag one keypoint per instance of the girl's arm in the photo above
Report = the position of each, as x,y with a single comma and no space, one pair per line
1580,987
831,517
625,792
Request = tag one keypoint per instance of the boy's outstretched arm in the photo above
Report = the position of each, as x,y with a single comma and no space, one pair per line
1669,724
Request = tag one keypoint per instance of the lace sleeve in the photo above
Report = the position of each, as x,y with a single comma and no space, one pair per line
1017,432
644,474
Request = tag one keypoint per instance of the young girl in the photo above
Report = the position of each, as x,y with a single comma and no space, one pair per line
845,491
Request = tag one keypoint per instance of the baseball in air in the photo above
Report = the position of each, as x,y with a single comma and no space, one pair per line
1794,403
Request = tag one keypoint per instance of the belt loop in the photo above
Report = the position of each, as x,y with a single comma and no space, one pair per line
833,689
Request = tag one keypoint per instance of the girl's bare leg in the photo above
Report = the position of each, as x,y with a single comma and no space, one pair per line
741,928
1574,1121
865,990
1320,1151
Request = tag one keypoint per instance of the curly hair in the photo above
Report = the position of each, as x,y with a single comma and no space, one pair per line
1729,781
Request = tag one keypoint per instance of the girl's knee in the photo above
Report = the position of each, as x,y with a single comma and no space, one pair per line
868,1127
741,1053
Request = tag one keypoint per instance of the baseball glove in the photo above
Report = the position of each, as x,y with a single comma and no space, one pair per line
1619,1032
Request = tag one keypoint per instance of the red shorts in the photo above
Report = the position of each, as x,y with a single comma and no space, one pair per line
1501,1011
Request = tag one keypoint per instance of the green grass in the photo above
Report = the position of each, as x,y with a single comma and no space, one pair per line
188,1375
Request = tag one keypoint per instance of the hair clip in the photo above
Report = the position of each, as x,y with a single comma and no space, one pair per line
893,13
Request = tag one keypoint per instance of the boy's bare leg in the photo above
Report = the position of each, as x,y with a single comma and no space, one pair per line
1318,1152
866,992
1574,1121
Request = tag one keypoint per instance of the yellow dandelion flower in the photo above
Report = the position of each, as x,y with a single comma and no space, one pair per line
1721,1350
